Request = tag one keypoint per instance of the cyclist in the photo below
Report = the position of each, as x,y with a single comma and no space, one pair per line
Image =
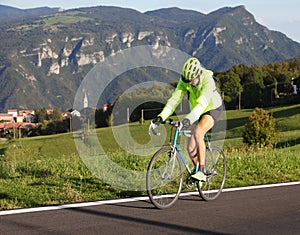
206,108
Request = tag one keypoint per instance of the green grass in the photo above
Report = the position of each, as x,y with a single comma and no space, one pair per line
64,19
48,170
51,21
287,125
263,166
43,182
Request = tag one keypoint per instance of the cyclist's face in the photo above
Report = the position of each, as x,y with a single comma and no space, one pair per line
195,82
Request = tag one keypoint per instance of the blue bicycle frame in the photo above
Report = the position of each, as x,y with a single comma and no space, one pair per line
176,147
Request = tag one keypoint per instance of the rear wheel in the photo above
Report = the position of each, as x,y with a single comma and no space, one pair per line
164,178
215,169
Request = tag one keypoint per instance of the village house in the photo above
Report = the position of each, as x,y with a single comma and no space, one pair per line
26,119
5,117
15,119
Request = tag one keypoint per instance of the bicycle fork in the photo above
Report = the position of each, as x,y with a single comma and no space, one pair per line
170,163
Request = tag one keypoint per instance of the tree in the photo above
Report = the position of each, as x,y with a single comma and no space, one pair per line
230,87
40,115
260,129
56,116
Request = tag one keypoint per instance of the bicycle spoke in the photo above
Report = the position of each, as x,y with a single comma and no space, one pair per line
215,167
164,178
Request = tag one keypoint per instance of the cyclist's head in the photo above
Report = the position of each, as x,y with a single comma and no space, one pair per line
191,69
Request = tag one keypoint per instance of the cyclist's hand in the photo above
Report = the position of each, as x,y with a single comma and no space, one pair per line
186,123
155,123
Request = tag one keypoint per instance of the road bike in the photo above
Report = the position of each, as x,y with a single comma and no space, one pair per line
167,167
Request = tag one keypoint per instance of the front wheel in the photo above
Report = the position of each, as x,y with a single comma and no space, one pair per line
215,169
164,178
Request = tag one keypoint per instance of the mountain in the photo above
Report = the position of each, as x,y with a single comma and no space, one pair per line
176,15
44,59
11,13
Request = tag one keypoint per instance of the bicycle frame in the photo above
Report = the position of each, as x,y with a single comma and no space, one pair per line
175,147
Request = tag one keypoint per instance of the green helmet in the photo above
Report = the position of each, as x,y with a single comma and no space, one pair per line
191,69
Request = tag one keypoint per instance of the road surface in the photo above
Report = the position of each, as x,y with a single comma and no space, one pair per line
274,210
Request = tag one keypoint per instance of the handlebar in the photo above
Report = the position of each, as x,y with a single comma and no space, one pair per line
177,124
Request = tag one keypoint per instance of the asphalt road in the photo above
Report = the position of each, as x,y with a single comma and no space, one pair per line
257,211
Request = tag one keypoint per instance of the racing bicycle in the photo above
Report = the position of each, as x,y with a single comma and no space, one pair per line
168,168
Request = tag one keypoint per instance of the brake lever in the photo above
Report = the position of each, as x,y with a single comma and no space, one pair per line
151,129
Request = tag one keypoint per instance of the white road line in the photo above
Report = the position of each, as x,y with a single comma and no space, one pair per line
116,201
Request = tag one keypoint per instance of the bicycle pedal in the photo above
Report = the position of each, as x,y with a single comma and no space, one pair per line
190,183
191,180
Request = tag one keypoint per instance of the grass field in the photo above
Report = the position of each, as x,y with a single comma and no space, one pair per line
48,170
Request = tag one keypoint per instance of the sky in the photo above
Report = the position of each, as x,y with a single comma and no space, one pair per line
277,15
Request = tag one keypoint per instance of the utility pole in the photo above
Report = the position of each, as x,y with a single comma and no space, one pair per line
128,119
14,129
142,116
240,100
70,122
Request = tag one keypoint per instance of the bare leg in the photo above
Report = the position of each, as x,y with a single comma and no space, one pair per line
196,145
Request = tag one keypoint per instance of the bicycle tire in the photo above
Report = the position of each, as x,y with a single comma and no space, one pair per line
216,170
164,178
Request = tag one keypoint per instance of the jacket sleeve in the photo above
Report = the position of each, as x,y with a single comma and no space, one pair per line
174,101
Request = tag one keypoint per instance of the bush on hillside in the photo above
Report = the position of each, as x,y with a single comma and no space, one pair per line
260,129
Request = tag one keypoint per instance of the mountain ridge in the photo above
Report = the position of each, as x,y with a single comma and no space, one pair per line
12,13
43,60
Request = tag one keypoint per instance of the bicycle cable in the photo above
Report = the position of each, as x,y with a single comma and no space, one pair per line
170,141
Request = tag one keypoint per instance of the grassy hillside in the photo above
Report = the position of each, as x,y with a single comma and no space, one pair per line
287,124
48,170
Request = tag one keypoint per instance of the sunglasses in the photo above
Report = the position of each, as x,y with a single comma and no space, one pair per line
184,79
188,81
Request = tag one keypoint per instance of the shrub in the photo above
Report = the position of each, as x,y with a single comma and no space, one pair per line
260,129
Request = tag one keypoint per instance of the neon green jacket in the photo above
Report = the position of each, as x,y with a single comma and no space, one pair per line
202,98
